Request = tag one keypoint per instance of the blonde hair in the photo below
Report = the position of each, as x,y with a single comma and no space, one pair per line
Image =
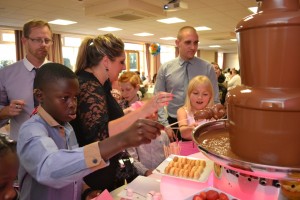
92,50
130,77
195,82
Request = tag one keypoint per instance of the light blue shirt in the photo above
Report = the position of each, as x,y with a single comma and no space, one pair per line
16,82
171,77
51,164
149,156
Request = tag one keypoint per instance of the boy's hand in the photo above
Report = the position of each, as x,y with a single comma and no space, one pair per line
141,132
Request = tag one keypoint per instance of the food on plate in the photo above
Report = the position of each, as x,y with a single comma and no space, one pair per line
211,195
185,167
217,170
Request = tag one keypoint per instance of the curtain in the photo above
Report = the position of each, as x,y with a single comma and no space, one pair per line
55,51
198,53
156,63
148,63
176,52
20,50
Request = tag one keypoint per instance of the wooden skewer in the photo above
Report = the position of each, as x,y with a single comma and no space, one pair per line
176,123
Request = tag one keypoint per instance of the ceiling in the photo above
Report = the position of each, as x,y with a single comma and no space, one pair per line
220,15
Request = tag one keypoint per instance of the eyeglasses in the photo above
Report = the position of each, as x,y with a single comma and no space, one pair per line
41,40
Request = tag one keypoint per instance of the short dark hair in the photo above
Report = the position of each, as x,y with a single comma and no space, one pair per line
50,73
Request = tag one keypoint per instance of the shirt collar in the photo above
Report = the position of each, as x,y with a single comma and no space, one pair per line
30,66
181,61
47,117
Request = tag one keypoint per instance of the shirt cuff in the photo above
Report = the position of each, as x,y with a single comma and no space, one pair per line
93,157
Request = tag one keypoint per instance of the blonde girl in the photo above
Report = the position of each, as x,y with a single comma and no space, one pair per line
199,96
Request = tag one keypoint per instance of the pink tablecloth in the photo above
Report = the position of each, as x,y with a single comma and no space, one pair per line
188,148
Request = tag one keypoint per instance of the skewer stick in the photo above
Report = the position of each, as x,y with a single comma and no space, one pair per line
176,123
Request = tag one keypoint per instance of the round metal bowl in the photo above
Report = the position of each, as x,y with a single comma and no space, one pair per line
213,141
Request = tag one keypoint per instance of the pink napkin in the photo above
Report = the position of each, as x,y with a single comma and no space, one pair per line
105,195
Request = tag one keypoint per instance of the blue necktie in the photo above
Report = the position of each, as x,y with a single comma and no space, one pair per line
187,79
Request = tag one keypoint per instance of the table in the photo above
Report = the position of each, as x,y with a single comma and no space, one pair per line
173,188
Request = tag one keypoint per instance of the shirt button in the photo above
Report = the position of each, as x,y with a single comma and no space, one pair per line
95,161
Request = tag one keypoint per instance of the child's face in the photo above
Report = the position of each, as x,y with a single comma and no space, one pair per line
8,173
128,91
200,97
60,99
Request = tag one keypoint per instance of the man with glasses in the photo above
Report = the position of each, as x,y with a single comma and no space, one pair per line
16,80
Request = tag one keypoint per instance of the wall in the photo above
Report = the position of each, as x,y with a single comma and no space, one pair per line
231,60
209,56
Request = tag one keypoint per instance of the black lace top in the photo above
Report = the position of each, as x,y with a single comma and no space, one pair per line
96,107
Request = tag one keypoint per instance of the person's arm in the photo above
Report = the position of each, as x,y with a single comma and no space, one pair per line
185,129
160,87
13,109
212,77
56,168
141,169
159,100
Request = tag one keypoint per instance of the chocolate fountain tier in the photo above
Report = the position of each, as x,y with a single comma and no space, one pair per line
214,142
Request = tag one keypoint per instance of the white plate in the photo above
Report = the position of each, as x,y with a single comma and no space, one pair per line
203,178
141,186
211,188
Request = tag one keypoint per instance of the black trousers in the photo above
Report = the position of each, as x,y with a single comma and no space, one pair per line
172,120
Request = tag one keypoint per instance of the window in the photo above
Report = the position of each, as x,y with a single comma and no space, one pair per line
70,51
7,48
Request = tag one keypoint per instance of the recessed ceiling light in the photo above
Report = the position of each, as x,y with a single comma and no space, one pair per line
108,29
168,38
253,9
143,34
202,28
214,46
233,40
171,20
62,22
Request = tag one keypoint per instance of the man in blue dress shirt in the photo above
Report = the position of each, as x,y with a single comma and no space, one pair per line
173,76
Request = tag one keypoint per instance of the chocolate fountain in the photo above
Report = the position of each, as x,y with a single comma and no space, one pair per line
261,137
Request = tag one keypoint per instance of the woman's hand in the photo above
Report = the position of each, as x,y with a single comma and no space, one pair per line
158,101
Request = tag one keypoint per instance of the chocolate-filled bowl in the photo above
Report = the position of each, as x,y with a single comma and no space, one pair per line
213,141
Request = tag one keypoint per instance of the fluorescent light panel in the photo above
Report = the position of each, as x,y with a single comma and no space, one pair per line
168,38
143,34
171,20
214,46
109,29
62,22
202,28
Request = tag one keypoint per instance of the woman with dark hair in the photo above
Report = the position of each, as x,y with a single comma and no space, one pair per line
8,168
